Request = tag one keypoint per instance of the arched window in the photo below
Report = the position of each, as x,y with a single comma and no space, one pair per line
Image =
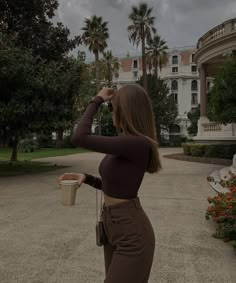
174,85
194,85
174,129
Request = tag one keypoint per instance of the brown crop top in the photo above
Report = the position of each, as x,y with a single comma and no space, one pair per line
127,156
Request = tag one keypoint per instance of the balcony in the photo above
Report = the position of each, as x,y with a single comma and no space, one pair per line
213,131
217,32
213,46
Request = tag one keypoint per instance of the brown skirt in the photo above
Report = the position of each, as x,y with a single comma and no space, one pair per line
130,243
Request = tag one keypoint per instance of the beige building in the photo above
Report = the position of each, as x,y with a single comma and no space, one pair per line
190,73
181,75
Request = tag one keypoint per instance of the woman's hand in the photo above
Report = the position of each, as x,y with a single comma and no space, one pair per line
73,176
106,93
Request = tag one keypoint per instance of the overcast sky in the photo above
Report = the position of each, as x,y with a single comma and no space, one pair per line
179,22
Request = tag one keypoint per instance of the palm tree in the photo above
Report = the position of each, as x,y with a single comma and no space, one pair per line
156,53
95,36
140,30
111,64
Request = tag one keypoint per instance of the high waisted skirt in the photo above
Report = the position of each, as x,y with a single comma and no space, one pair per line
130,243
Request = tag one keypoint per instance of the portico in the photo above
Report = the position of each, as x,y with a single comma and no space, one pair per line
212,50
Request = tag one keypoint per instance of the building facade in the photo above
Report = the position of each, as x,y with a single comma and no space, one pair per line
181,76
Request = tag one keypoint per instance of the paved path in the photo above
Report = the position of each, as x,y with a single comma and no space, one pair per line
42,241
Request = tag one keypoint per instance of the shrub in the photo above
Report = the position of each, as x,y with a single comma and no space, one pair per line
226,151
45,140
186,148
198,149
27,145
67,143
223,211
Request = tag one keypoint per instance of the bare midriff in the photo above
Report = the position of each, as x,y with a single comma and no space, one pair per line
110,201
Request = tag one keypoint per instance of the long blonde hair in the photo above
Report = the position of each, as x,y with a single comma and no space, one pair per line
134,115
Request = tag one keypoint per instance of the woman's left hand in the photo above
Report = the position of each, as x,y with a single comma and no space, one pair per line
80,177
106,93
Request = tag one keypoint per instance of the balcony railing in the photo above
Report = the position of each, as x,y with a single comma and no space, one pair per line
212,127
217,32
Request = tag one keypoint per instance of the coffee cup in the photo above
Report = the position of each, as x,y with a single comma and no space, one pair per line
68,191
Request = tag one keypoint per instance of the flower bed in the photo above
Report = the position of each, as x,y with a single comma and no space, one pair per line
223,210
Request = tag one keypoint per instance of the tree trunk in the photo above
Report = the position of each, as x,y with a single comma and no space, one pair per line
155,71
14,148
109,75
156,67
98,89
144,61
97,71
59,141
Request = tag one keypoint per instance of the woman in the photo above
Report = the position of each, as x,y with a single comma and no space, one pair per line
130,244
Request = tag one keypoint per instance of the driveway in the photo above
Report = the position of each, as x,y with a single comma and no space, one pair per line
42,241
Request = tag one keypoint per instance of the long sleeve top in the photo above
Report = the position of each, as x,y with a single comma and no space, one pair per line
126,160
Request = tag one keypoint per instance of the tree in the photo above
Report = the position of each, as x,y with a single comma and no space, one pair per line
87,89
193,116
58,89
111,65
141,30
95,37
35,96
18,103
156,53
30,22
222,99
164,106
107,124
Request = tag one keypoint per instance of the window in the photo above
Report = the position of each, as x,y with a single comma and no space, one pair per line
174,85
192,57
175,96
194,99
175,70
194,85
135,64
135,74
194,68
175,60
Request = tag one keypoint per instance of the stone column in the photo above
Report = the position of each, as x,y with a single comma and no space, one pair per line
203,94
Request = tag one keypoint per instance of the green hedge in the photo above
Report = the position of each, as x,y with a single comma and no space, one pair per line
226,151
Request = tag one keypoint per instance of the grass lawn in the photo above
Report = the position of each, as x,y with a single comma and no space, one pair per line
5,153
24,165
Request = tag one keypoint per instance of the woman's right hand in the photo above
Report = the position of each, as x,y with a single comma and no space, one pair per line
73,176
106,93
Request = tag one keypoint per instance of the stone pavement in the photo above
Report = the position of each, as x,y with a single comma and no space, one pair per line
42,241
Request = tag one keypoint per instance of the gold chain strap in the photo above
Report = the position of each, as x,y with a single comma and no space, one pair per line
101,199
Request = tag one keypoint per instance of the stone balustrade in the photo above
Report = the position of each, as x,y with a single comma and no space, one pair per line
217,32
212,127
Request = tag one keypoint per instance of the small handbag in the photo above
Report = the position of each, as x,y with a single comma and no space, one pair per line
101,238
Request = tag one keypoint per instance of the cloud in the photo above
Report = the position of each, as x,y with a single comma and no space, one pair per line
179,22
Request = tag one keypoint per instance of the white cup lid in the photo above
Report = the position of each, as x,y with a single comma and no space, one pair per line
68,182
